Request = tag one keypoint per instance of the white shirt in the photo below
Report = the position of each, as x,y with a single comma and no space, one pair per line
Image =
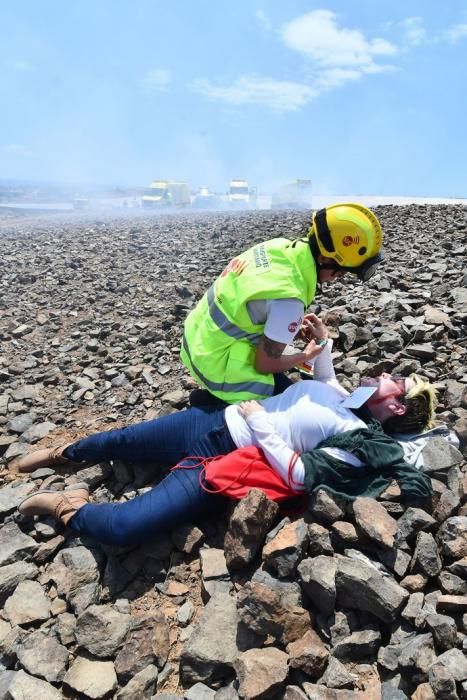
297,420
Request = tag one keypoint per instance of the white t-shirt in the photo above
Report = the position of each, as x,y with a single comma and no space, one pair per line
282,318
297,420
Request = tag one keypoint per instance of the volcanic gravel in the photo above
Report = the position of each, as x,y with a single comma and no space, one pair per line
347,601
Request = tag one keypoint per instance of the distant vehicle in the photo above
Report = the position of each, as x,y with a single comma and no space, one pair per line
165,193
294,195
238,195
204,199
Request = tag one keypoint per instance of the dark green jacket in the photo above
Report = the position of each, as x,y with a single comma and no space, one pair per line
382,455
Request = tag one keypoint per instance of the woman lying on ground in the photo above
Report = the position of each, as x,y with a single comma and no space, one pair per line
311,418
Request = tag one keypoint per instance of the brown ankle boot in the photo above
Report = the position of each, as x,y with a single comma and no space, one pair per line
49,457
62,505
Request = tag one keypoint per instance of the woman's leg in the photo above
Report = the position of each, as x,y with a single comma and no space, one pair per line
176,500
281,383
167,440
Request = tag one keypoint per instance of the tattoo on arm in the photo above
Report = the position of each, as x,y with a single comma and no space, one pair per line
272,348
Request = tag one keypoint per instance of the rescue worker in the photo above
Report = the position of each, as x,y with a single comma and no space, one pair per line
234,340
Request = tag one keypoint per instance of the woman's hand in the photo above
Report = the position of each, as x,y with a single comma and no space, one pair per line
247,408
313,328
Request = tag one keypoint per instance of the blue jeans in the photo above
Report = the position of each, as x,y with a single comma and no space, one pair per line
178,498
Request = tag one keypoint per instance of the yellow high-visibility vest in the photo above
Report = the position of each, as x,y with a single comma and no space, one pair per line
220,339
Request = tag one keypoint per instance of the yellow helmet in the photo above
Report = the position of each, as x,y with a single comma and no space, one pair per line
351,235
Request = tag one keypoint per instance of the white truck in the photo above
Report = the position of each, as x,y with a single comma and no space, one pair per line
294,195
204,199
166,193
238,195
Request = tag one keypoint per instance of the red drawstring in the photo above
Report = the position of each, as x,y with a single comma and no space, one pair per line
203,462
290,479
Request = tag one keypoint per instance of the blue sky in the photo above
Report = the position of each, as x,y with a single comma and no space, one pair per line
361,96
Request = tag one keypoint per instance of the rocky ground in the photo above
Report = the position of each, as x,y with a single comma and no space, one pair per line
362,600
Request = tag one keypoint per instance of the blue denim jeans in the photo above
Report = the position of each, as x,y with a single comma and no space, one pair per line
178,498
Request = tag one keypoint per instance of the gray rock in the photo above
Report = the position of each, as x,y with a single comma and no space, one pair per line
456,663
249,523
317,577
261,610
358,645
336,675
282,552
73,568
209,654
413,607
199,691
213,564
147,643
411,522
360,586
288,591
94,679
11,497
141,686
27,604
23,686
14,544
37,431
440,455
43,656
442,683
12,574
66,624
308,654
19,424
188,538
426,558
375,521
93,621
227,693
443,629
185,613
416,658
260,672
326,507
452,537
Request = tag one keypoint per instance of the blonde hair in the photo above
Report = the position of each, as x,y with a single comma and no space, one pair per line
420,408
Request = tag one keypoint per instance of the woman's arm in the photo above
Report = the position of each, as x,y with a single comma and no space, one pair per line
277,452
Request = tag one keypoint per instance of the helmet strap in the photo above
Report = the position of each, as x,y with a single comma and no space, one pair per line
322,230
315,251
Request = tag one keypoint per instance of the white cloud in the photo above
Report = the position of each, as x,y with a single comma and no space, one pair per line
278,95
263,20
156,80
335,77
415,32
457,32
316,36
333,57
18,149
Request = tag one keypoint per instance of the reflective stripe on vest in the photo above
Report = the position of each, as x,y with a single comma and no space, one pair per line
223,323
259,388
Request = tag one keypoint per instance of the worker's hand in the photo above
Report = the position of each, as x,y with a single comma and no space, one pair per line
247,408
312,350
313,328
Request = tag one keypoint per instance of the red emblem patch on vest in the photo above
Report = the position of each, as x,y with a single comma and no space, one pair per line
236,266
292,327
